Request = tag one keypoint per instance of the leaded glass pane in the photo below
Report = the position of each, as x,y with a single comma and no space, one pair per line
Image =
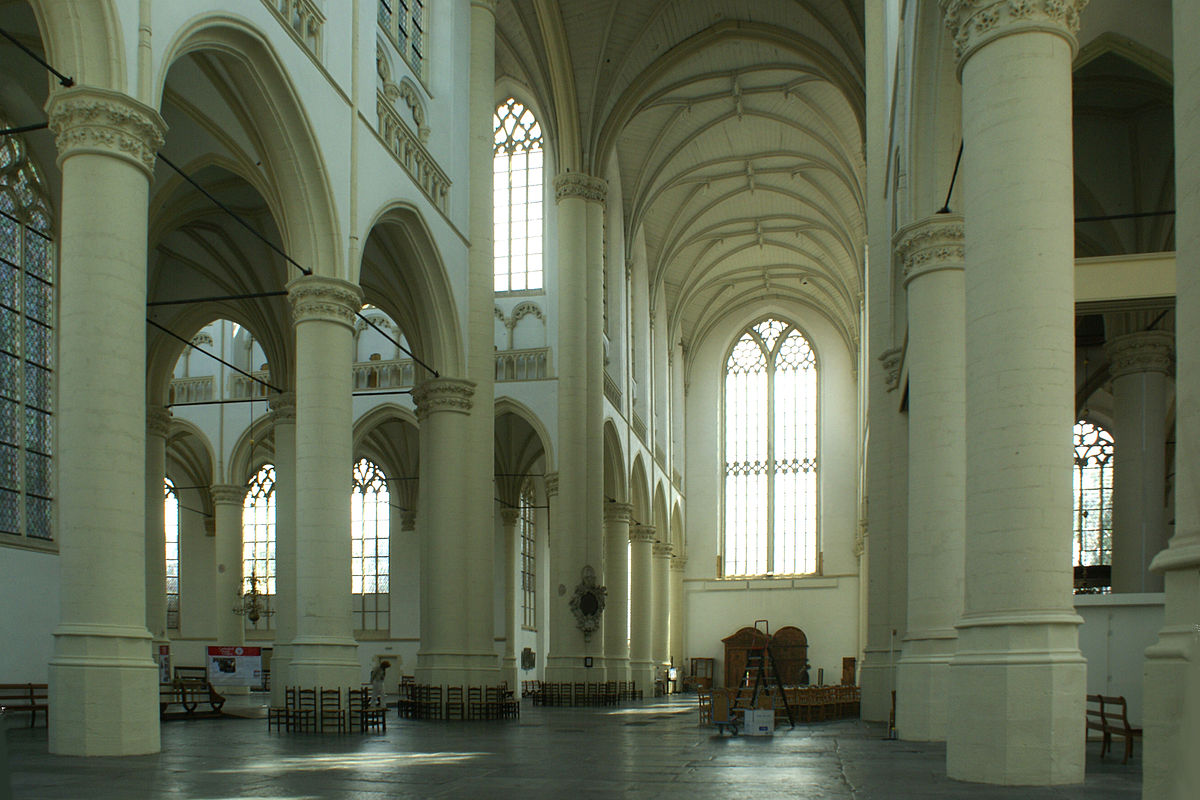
10,329
10,512
37,517
10,238
37,431
517,198
258,543
9,429
1094,458
37,342
10,370
370,518
10,474
10,289
37,474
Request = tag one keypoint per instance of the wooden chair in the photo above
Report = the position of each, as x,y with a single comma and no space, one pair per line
363,715
280,716
474,702
1116,723
455,707
431,704
331,714
304,714
704,698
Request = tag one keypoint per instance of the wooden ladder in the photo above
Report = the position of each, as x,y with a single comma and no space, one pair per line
761,664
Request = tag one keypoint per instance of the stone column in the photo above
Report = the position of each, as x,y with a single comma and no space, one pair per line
158,424
661,642
641,598
509,517
451,653
580,201
102,676
228,504
932,254
1139,364
283,414
677,656
323,651
1018,641
616,578
1170,770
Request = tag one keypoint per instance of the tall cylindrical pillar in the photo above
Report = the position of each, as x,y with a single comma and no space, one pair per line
931,251
323,651
158,425
1172,685
677,656
102,677
641,612
509,518
228,505
1139,364
661,605
1018,640
616,579
283,416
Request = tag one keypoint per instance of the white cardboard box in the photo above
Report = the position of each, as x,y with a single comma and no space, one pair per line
759,722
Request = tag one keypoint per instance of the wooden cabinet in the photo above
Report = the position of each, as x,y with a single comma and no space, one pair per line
789,646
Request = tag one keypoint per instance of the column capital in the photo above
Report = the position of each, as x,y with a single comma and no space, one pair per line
443,394
1145,351
551,480
158,420
576,184
510,517
641,533
618,512
975,23
224,494
283,407
929,245
320,297
663,549
408,520
679,563
86,119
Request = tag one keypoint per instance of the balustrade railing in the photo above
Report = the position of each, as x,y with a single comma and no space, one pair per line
393,374
612,391
193,390
413,157
303,18
523,365
242,388
639,426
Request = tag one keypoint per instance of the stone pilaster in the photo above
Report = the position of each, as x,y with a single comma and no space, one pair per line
931,252
228,502
661,640
102,676
283,418
678,658
323,651
1172,689
1018,637
509,518
641,599
1139,364
158,425
616,578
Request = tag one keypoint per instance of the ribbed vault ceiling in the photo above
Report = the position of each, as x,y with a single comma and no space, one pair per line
738,132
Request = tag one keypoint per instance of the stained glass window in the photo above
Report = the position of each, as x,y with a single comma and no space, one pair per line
528,529
171,537
369,555
517,184
770,453
1093,495
258,544
27,272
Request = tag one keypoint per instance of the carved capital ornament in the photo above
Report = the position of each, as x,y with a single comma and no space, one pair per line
642,533
318,297
1135,353
975,23
158,421
283,408
618,513
576,184
85,119
930,245
443,394
224,494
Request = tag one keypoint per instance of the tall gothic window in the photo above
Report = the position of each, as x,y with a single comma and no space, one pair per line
171,538
770,453
369,557
404,21
518,198
258,543
528,531
1093,499
26,345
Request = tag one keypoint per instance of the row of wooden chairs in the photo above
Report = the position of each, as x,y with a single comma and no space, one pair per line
321,710
608,693
478,702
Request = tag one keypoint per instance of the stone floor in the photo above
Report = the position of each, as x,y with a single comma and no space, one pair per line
652,749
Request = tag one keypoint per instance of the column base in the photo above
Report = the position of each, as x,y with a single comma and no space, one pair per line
642,673
1018,688
616,668
458,669
508,672
281,659
104,686
922,675
877,677
324,662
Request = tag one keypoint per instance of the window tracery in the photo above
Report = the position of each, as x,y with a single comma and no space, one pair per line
369,549
770,453
528,530
258,543
1092,541
518,181
171,539
27,300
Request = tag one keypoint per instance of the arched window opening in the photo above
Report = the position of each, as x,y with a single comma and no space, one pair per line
1092,543
405,23
770,453
528,526
27,273
518,198
369,554
171,538
258,545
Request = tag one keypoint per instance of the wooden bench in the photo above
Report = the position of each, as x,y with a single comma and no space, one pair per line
31,697
193,681
1108,716
172,694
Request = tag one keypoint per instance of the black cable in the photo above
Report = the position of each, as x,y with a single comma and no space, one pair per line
217,298
1136,215
174,335
402,348
62,79
953,177
25,129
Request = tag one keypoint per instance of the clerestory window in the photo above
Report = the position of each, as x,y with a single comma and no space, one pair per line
517,167
405,23
369,548
770,453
